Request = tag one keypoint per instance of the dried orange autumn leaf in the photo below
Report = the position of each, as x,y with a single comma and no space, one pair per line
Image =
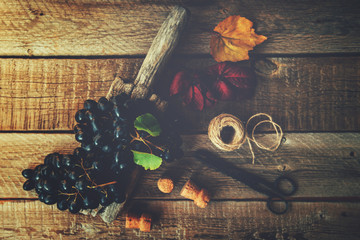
233,38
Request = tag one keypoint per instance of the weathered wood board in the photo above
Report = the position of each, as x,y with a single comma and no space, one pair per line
183,220
325,165
56,54
302,94
44,93
83,28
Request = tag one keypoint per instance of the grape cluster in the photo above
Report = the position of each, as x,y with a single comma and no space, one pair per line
107,125
98,172
81,180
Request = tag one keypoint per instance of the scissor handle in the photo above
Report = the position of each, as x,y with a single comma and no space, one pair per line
288,191
281,208
283,204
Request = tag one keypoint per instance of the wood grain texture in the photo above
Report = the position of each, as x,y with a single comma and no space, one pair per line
302,94
325,165
44,28
27,150
46,93
308,80
183,220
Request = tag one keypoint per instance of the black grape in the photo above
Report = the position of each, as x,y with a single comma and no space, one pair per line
65,186
80,136
91,200
87,146
80,116
28,173
168,156
46,170
74,173
49,186
90,104
39,186
75,206
81,184
78,128
98,165
50,199
36,177
107,199
107,148
68,161
63,204
42,197
29,185
104,105
79,152
89,115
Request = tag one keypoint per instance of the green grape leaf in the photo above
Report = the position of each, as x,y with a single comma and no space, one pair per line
147,160
148,123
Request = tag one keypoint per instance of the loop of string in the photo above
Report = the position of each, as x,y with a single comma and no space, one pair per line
241,133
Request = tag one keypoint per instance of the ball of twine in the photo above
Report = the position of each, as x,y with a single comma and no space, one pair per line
226,120
241,134
278,131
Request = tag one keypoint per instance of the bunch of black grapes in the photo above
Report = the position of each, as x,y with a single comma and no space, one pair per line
98,172
76,181
108,126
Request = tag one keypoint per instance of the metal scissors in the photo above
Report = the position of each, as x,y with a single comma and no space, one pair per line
276,203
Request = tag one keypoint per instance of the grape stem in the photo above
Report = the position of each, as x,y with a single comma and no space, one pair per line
94,184
145,141
87,175
67,194
103,185
80,195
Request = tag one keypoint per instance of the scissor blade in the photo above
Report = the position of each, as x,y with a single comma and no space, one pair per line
253,181
212,161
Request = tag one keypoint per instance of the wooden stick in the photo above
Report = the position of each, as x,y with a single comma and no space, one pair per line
162,47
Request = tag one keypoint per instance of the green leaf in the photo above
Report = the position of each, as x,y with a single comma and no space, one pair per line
148,123
147,160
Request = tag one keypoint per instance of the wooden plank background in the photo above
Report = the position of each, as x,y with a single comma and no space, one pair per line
313,158
220,220
123,27
56,54
43,94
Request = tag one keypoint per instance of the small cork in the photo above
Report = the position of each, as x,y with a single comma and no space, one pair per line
191,191
165,185
134,222
145,222
202,198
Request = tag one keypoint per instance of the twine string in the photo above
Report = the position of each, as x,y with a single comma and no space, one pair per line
241,133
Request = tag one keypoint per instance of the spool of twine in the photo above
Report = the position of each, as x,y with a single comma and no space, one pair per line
226,120
241,133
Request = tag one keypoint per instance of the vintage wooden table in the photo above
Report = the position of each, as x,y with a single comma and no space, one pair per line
56,54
